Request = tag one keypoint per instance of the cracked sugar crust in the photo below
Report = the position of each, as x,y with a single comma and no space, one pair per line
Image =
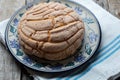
51,31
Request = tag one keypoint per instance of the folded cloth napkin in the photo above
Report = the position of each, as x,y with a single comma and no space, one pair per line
107,62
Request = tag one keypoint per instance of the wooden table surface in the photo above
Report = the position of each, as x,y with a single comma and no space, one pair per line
9,69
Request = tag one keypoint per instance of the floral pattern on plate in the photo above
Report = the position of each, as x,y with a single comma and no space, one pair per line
90,43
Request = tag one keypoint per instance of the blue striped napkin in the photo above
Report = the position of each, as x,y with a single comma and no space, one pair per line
107,62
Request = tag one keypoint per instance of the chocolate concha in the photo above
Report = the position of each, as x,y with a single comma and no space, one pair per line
51,31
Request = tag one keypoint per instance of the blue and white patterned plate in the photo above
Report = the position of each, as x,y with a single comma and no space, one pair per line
90,43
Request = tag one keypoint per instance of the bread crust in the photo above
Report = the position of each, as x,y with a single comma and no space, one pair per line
51,31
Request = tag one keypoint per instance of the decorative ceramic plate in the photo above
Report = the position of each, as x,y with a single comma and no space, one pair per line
90,43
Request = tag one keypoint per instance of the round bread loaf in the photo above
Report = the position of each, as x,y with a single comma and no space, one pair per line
51,31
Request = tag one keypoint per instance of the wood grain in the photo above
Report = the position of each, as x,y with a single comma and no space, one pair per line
9,70
113,6
8,7
28,1
102,3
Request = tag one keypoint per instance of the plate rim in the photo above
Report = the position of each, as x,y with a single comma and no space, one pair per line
36,69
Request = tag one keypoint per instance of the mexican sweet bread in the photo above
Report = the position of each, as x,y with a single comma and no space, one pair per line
50,31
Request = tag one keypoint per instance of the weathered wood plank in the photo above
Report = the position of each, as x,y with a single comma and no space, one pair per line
8,7
28,1
113,6
9,70
102,3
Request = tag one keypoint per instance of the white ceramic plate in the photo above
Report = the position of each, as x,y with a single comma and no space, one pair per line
90,43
